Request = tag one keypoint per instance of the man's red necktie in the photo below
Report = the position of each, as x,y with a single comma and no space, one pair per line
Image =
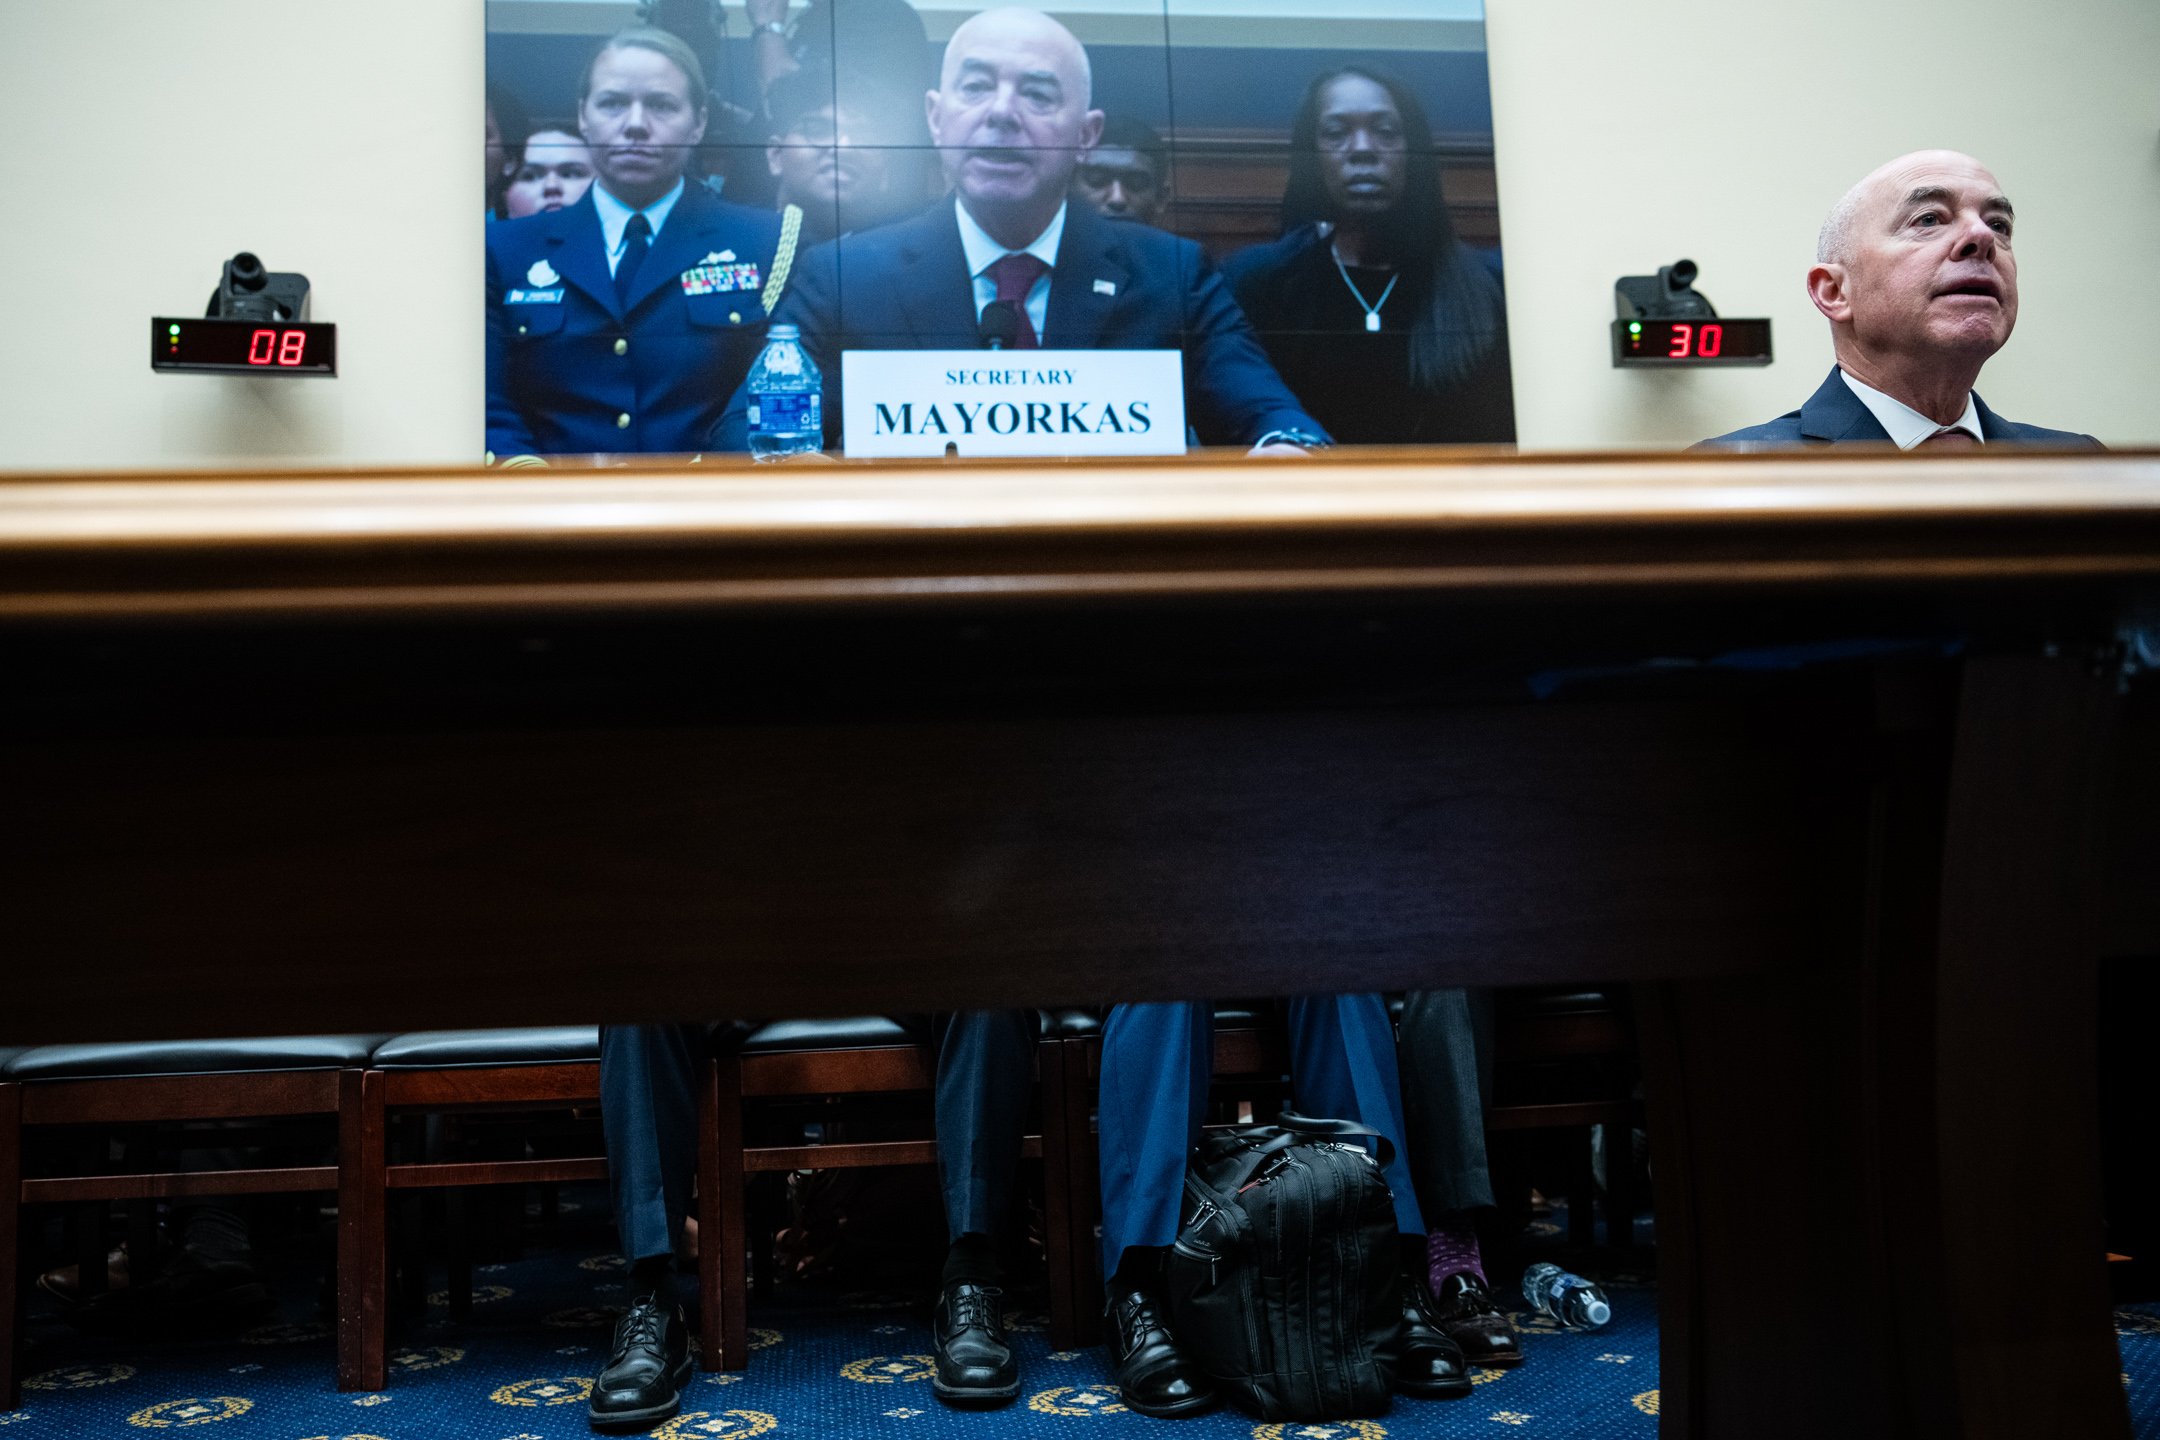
1014,276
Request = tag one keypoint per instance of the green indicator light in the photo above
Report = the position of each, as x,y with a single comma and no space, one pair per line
1633,329
172,330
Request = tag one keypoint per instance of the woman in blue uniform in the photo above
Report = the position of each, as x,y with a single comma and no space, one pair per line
624,322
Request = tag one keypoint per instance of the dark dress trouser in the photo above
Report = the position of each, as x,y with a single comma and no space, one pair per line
1446,1055
1156,1060
648,1108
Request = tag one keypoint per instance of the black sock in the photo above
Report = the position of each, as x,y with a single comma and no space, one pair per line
654,1276
1413,1262
1140,1269
972,1260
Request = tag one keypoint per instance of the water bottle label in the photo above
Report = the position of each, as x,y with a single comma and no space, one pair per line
788,414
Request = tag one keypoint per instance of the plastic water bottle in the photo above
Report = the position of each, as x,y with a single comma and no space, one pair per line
787,398
1569,1299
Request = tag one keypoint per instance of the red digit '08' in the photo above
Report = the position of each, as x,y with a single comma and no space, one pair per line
290,346
1680,337
1710,342
261,344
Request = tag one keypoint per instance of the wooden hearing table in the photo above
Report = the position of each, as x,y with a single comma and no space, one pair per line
1813,751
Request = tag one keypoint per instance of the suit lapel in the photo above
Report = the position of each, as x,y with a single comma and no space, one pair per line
1084,287
1833,414
579,254
1993,426
936,292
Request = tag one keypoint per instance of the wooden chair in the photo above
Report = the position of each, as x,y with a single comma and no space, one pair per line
458,1073
850,1057
1583,1042
158,1083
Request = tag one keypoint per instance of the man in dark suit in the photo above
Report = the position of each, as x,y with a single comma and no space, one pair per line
1011,119
1915,272
623,322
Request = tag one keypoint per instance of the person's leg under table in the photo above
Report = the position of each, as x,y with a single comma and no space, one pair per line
1445,1055
1156,1059
648,1109
1342,1066
985,1070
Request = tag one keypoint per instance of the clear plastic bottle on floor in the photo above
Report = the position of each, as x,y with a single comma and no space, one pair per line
787,398
1569,1299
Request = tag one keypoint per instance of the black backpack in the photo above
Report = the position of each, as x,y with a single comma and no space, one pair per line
1286,1281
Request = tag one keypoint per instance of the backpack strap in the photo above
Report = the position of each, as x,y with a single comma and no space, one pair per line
1296,1127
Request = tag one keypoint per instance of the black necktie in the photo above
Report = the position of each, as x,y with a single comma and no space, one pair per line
637,239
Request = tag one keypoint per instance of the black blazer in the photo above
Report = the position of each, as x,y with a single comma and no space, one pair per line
1117,285
1834,415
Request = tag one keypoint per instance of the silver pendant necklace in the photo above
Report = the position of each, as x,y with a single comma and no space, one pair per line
1372,311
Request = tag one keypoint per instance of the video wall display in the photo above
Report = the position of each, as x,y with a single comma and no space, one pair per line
1295,195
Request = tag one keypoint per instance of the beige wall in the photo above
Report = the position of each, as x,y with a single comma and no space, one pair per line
148,140
1598,178
138,159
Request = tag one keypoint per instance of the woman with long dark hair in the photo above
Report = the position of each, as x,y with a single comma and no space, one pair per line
1388,327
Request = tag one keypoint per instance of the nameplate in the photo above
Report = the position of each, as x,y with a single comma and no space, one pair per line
1012,402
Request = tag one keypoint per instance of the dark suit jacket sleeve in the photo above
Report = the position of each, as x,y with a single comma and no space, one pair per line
507,433
1234,393
812,305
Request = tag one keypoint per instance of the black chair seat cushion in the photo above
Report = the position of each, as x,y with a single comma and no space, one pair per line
1072,1022
853,1032
470,1049
1079,1022
1556,1000
192,1057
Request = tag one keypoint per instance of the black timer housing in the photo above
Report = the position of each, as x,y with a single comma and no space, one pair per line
246,291
256,324
1665,321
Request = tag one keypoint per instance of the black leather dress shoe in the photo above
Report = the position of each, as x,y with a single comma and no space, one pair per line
1467,1314
974,1364
1154,1377
1427,1362
643,1379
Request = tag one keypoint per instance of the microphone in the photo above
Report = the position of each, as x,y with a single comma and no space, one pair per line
1000,325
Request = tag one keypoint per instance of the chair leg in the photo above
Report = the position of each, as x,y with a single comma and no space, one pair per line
1083,1195
724,1334
11,1311
1057,1164
1620,1186
1582,1197
764,1224
363,1244
457,1252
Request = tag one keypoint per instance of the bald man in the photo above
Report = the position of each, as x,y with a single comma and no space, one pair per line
1915,271
1012,118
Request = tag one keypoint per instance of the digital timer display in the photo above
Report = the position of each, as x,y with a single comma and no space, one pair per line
243,347
1691,342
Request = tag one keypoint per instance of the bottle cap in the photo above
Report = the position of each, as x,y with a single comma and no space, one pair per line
1597,1312
784,332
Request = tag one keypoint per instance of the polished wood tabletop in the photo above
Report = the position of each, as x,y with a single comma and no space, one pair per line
705,535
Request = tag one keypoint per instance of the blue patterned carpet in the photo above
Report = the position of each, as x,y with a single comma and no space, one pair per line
824,1363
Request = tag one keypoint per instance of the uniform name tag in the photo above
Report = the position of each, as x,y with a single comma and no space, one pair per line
534,297
714,279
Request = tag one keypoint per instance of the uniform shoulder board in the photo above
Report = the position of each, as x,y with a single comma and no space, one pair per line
783,259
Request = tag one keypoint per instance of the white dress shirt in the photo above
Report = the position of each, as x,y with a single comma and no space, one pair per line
983,252
615,219
1907,426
